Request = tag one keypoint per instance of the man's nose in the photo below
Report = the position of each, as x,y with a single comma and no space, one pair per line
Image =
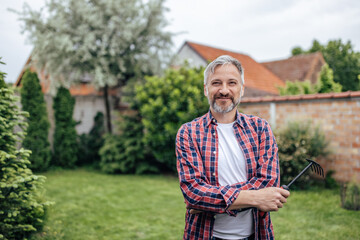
224,89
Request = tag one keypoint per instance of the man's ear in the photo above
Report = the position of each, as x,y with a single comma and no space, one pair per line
242,91
205,92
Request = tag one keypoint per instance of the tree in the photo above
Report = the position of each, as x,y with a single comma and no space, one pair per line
297,88
165,103
21,210
110,40
342,59
36,140
325,84
65,137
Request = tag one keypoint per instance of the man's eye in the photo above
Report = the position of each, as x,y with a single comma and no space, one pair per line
232,83
216,83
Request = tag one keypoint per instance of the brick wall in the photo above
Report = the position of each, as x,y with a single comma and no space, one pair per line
338,115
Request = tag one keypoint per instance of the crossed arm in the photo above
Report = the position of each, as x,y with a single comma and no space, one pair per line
260,191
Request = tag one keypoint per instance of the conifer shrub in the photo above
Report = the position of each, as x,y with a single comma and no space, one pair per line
90,144
298,141
22,212
36,140
65,136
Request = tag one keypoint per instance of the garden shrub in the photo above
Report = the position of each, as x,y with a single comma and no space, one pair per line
36,140
22,212
90,144
65,136
165,103
350,195
126,152
296,142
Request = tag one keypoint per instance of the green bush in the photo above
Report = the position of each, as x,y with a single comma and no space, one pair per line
22,211
126,152
350,195
296,142
90,144
325,84
36,140
165,103
65,136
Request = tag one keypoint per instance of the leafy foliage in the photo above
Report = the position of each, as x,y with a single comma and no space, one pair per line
65,137
350,195
297,88
21,210
342,59
107,41
165,103
325,84
298,141
90,144
326,81
36,140
126,152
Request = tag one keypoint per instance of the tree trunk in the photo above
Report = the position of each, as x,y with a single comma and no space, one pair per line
107,109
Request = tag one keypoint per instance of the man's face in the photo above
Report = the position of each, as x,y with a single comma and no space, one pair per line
223,88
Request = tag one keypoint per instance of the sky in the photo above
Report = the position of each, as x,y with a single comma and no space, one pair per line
265,30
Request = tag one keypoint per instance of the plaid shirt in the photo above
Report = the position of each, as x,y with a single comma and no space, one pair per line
197,154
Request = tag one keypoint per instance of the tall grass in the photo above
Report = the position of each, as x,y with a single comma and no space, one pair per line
91,205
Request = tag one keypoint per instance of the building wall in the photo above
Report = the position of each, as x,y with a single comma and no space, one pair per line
188,54
338,118
85,109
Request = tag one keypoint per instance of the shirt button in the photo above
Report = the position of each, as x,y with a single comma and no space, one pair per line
214,174
214,152
214,216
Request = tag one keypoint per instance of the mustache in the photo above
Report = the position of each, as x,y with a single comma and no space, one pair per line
219,95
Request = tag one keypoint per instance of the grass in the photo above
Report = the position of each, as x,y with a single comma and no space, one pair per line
91,205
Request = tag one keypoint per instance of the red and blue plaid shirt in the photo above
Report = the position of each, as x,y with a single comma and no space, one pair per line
197,155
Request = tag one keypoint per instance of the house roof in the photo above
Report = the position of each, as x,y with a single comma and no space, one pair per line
80,89
256,75
301,67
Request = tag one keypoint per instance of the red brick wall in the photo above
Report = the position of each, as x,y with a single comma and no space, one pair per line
338,117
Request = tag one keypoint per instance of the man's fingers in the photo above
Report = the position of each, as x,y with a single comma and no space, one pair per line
284,192
283,200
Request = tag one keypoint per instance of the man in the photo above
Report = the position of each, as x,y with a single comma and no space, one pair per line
228,164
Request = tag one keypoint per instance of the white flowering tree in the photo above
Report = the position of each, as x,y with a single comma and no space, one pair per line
109,40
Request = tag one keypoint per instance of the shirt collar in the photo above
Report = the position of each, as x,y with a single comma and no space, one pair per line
209,119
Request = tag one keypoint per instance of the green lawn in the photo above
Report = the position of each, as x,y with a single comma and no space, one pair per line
91,205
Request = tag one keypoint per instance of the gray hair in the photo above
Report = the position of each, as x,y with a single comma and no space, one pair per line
222,60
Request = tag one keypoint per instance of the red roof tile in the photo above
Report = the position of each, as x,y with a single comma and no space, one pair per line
256,75
301,67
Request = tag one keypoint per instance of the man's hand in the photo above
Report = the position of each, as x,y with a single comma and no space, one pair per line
266,199
270,199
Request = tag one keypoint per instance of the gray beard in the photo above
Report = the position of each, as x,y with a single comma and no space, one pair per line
219,109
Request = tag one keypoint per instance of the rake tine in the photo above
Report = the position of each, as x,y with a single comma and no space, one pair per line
320,170
313,168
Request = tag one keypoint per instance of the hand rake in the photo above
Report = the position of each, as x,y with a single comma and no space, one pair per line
315,167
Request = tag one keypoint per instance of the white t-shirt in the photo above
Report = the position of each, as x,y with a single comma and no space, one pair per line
231,170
